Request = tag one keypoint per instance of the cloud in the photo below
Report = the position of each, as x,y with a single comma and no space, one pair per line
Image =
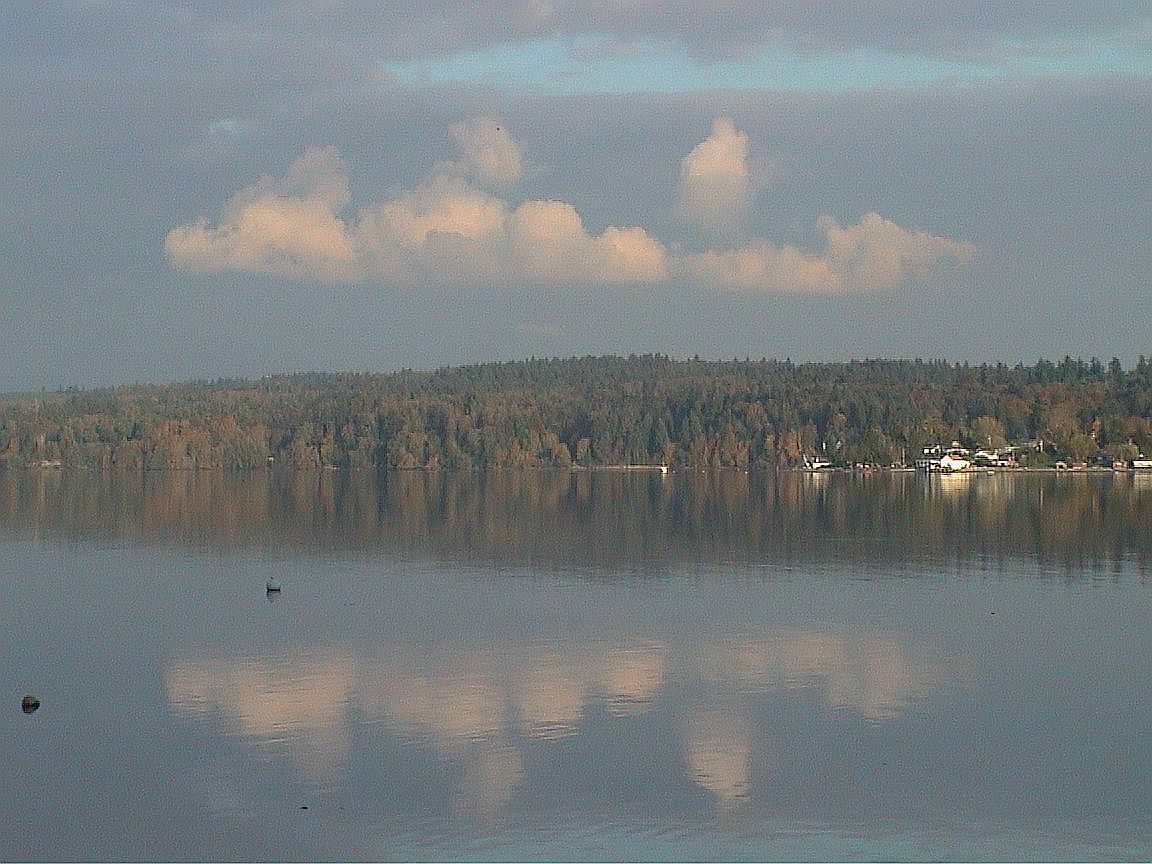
444,231
715,187
286,227
872,255
244,57
876,255
759,267
488,153
942,28
449,230
548,244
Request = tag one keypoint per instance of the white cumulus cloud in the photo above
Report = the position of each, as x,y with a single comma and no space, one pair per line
285,227
488,153
450,230
548,243
875,254
447,230
715,185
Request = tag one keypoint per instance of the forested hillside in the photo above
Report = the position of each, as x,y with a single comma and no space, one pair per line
589,411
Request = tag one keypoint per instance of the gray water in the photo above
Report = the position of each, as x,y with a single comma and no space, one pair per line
576,666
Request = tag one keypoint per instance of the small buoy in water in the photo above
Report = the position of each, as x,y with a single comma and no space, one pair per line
29,704
273,586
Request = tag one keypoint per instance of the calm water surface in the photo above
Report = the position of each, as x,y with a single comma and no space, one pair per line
559,666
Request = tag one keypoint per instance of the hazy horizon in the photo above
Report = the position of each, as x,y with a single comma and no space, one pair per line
429,370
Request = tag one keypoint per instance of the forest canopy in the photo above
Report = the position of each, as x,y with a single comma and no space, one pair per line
589,411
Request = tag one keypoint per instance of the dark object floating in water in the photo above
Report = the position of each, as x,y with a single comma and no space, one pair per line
273,586
29,704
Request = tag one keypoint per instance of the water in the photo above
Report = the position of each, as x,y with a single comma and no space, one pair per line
576,666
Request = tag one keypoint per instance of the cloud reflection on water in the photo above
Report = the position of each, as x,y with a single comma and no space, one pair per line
874,674
718,747
479,710
300,705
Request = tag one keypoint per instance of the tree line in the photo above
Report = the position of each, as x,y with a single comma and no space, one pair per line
589,412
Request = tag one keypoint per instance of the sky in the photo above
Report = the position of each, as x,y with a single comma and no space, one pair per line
200,189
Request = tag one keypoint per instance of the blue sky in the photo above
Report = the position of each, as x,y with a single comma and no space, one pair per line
200,189
592,64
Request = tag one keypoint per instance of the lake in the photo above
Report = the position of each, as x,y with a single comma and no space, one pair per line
586,665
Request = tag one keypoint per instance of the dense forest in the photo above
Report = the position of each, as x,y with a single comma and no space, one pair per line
589,412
